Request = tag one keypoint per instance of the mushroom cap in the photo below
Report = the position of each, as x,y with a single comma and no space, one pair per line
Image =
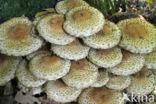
102,79
150,60
49,67
118,82
72,51
8,66
83,21
107,37
26,78
43,13
82,74
100,95
130,64
63,6
138,36
18,38
105,58
142,83
50,27
60,92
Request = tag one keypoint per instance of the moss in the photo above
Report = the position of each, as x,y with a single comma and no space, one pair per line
16,8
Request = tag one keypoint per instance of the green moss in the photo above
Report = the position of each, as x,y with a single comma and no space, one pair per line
16,8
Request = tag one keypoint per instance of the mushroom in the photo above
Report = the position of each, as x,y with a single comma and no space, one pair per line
65,5
60,92
142,83
118,82
105,58
138,36
50,27
130,64
49,67
150,60
82,74
8,66
43,13
83,21
102,79
25,77
18,38
108,37
154,73
72,51
100,95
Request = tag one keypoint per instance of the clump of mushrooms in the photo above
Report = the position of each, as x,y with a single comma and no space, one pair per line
73,54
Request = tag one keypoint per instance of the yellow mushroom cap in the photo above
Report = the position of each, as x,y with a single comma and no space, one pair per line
50,27
138,36
83,21
150,60
60,92
82,74
130,64
49,67
72,51
8,66
18,38
26,78
142,83
118,82
63,6
101,95
105,58
102,79
107,37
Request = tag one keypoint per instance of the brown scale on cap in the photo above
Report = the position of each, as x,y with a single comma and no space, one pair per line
102,95
106,52
136,30
72,4
79,65
51,60
82,15
105,31
57,23
19,32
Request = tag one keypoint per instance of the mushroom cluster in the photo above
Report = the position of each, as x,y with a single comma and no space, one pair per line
74,54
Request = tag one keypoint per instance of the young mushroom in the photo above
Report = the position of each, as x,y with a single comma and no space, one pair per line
130,64
72,51
8,66
142,83
50,28
60,92
25,77
64,6
138,36
18,37
118,82
108,37
105,58
100,95
49,67
82,74
102,79
83,21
